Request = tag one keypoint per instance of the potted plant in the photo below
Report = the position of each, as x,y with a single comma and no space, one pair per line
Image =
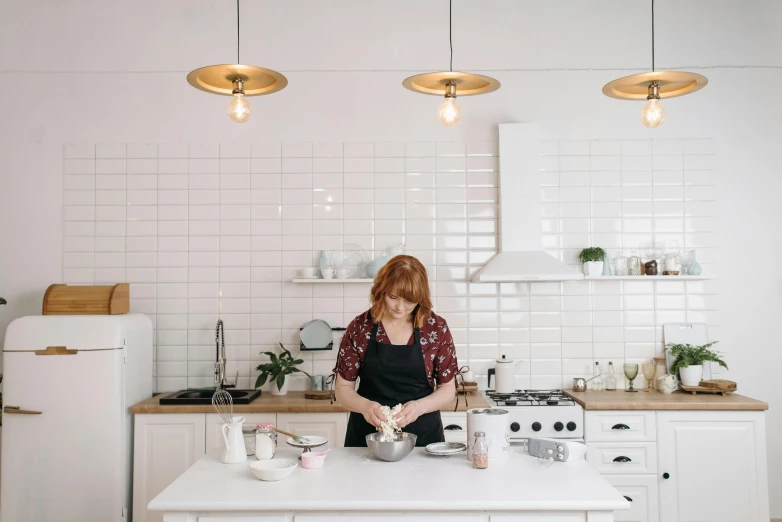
688,361
592,258
277,371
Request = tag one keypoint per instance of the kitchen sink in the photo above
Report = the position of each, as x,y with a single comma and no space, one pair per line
205,396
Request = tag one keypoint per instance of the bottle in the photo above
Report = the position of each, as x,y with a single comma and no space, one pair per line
634,264
323,262
610,381
597,381
480,451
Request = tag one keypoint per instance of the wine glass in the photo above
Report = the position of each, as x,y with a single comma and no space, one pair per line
631,372
649,370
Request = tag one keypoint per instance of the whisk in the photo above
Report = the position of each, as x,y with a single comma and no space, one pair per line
224,404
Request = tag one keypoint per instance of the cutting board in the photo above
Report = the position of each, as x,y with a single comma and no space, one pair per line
686,333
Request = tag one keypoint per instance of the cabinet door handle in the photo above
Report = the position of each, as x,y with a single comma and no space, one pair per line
18,410
627,498
622,459
453,427
620,427
666,476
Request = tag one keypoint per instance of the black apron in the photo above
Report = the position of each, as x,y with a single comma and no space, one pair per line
390,375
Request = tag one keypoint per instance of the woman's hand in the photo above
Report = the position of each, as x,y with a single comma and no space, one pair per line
372,414
410,412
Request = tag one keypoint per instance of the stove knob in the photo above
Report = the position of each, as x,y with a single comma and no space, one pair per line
571,426
514,426
558,426
536,426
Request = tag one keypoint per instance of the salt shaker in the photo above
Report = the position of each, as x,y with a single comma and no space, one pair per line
265,441
480,451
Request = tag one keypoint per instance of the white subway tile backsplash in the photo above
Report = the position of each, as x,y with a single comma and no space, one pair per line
218,229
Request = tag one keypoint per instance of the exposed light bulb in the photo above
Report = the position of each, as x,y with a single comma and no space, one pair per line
239,109
653,114
449,112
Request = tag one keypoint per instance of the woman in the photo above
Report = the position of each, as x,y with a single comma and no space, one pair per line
400,350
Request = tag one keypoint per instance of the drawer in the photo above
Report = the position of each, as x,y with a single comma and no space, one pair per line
455,426
619,426
641,492
623,458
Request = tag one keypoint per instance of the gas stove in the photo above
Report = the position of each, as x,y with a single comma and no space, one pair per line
540,413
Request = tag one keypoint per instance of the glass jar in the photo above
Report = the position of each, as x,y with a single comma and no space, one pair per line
480,451
620,265
597,381
265,441
634,264
248,433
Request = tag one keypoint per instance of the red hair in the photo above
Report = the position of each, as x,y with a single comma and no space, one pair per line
405,277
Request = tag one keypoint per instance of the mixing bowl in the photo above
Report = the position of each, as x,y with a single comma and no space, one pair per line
391,450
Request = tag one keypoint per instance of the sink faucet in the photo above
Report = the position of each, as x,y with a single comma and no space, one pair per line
219,378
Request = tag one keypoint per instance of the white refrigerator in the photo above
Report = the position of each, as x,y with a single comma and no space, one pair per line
69,382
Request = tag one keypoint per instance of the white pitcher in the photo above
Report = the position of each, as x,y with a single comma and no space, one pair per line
235,450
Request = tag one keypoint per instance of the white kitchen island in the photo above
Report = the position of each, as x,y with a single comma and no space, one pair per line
354,486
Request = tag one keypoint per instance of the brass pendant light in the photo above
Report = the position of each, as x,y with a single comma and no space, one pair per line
449,84
653,86
238,81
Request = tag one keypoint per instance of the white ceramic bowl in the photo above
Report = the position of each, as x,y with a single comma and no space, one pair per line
327,273
274,469
343,273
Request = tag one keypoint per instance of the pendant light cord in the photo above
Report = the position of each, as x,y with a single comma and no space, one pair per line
652,35
238,61
450,30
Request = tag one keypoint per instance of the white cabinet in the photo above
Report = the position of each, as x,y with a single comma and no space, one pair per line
164,447
352,517
715,464
641,492
330,425
214,424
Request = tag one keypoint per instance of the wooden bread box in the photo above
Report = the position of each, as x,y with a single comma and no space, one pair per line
87,300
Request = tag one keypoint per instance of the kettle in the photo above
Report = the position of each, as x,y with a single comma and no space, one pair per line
505,372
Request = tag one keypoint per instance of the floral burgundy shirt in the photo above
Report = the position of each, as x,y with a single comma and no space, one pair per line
436,344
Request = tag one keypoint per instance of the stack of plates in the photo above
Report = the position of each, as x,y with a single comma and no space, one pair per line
444,449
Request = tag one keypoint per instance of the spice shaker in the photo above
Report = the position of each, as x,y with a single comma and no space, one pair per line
265,441
480,451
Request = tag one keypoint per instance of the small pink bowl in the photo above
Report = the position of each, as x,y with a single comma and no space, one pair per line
313,459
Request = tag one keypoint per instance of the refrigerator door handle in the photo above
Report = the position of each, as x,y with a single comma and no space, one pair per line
56,350
16,409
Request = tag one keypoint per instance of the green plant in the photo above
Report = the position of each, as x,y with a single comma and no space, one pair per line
689,355
280,366
591,254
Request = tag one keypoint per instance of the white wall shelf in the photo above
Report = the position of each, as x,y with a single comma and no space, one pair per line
330,281
647,277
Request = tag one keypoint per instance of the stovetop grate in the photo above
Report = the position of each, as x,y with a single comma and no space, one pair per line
530,398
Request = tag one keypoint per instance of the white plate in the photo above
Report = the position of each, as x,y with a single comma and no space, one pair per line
312,441
316,334
445,448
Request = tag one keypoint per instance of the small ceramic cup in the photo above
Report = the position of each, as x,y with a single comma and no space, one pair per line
343,273
307,272
327,273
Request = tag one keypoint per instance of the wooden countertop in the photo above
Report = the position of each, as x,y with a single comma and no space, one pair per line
293,402
654,400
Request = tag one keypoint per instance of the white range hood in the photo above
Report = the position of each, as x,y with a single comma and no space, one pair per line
521,256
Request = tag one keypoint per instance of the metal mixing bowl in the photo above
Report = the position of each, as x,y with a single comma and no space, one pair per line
393,450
